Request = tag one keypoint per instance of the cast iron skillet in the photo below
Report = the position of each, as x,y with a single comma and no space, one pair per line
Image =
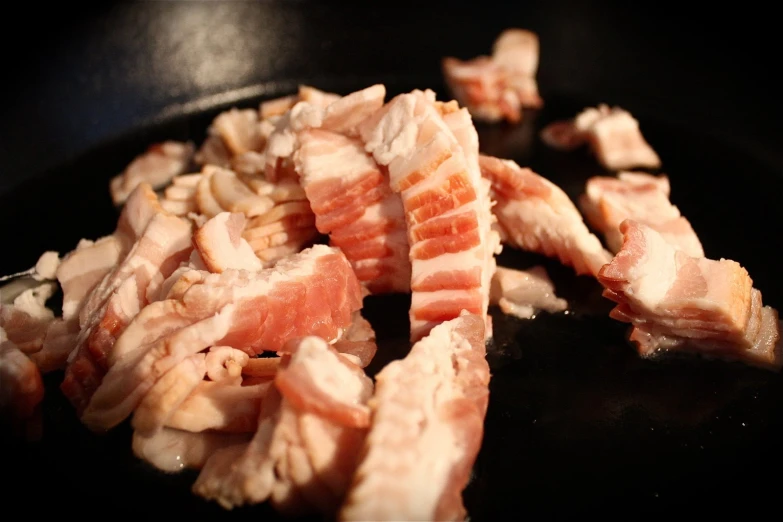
577,423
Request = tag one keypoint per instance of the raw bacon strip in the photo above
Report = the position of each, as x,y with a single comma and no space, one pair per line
173,450
224,364
678,302
354,204
26,320
286,229
220,407
312,293
165,243
84,268
522,292
608,201
498,87
344,116
536,215
309,436
213,151
428,419
179,198
613,134
221,245
168,394
447,209
239,130
279,106
21,387
61,337
156,166
358,342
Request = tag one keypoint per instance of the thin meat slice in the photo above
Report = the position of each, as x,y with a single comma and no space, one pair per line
536,215
427,427
312,293
644,198
179,198
612,133
498,87
83,268
156,166
358,342
27,319
61,337
239,130
220,243
522,293
343,116
219,406
678,302
310,432
354,204
21,387
447,209
171,450
112,304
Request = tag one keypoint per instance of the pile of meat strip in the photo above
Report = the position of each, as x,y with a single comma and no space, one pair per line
223,317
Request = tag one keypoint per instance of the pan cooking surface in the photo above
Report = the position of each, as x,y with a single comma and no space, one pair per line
577,422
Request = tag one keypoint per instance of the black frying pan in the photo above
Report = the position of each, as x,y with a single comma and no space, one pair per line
577,423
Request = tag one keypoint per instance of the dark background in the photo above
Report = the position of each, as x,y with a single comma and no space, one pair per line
80,73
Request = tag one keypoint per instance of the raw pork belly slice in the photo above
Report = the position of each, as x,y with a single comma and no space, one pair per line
310,433
447,210
534,214
355,206
21,387
156,166
221,246
314,292
112,304
678,302
342,116
522,292
427,427
26,319
608,201
613,134
498,87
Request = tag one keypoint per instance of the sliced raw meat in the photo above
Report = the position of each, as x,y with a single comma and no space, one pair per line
447,209
678,302
179,198
608,201
535,215
84,268
312,293
354,204
358,342
26,320
344,116
220,243
305,450
498,87
427,427
220,407
173,450
156,166
165,243
613,134
522,293
239,130
21,387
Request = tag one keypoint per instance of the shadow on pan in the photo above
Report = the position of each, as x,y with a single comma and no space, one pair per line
577,423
